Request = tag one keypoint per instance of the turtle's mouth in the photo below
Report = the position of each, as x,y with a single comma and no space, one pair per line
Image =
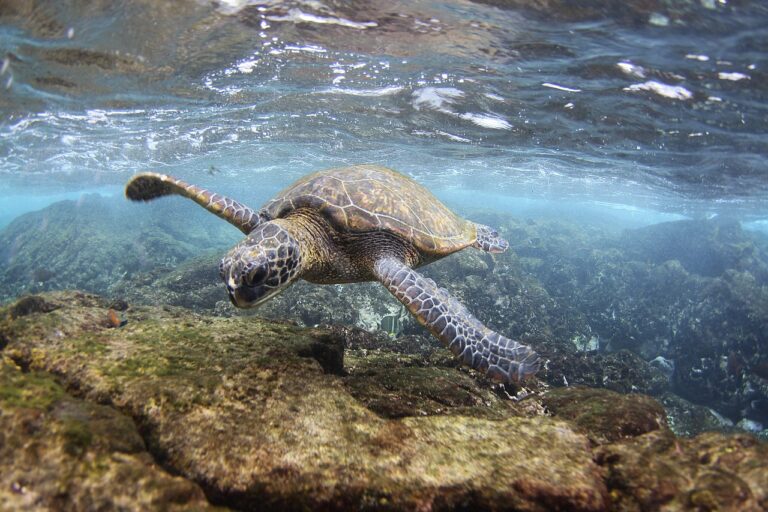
246,296
251,296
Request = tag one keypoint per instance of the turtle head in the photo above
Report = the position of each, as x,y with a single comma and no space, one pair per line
261,266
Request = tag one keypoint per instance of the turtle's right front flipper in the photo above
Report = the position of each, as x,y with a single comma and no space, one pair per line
479,347
149,185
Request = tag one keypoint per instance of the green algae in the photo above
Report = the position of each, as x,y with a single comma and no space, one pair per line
93,456
393,390
77,436
33,390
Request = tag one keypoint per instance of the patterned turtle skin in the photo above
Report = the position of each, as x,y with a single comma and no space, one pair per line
352,224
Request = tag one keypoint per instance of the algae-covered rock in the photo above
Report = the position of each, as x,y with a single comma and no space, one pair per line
398,385
606,416
61,453
247,408
622,371
713,471
688,420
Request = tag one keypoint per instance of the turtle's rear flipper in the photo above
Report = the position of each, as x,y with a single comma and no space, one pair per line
488,240
149,185
479,347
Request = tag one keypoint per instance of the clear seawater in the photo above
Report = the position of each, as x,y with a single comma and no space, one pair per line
610,113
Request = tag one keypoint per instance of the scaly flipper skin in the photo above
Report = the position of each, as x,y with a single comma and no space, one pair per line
488,240
502,359
149,185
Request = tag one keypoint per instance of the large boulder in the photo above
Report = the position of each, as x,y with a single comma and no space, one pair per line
657,471
261,414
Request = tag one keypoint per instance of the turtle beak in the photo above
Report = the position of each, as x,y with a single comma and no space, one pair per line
250,296
246,297
232,297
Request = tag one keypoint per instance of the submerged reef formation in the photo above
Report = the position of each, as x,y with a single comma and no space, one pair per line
92,243
259,413
689,296
678,307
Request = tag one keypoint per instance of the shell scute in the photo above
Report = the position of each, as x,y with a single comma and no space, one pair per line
367,198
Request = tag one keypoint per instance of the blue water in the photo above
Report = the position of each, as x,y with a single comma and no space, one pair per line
616,107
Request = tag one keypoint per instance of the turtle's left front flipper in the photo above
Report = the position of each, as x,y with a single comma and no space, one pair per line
478,346
149,185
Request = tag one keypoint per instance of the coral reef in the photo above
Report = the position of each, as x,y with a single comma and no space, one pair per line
694,293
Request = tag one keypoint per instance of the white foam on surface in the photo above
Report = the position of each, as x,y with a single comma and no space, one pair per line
296,15
675,92
384,91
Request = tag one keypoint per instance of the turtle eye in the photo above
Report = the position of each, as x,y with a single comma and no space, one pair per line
257,276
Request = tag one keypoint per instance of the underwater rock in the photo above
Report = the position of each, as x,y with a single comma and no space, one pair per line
664,365
30,304
628,294
93,458
622,371
704,247
246,408
92,243
606,416
194,284
750,426
686,419
268,414
657,471
721,348
397,385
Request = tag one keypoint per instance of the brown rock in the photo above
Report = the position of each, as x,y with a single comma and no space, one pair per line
713,471
606,416
243,407
61,453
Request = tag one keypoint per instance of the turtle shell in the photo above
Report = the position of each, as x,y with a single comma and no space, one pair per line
365,198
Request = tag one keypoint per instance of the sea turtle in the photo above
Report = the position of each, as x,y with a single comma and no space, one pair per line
352,224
